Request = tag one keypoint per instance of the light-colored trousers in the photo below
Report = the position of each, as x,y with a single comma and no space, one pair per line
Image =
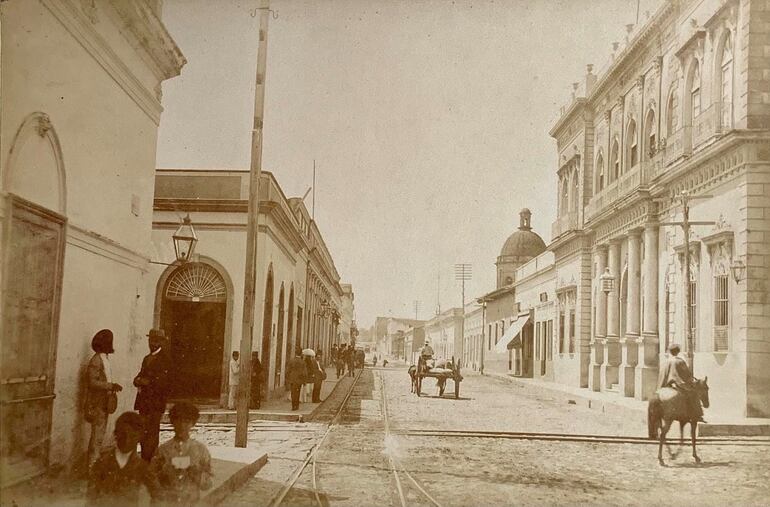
98,428
231,395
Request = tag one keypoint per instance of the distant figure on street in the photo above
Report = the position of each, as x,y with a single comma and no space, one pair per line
181,469
101,392
310,375
350,361
118,475
256,381
333,353
360,358
295,377
233,379
319,375
374,360
340,361
676,373
153,382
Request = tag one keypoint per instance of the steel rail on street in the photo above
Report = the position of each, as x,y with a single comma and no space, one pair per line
289,484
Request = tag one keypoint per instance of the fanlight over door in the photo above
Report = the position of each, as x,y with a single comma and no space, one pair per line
197,282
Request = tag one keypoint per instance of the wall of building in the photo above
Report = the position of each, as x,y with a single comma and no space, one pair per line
107,99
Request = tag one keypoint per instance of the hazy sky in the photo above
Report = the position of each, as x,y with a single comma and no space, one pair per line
428,121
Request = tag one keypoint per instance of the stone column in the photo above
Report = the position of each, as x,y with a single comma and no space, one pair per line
630,342
611,344
600,325
646,375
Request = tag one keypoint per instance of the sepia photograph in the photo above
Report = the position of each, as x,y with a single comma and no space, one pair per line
387,253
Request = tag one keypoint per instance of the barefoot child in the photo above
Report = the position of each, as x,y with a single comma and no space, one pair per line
181,468
118,474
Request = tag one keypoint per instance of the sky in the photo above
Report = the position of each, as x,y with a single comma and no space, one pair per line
428,122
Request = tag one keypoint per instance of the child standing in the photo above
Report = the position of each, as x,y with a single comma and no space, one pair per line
118,474
181,468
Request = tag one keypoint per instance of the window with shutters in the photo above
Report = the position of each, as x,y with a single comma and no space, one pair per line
571,331
561,333
721,311
726,84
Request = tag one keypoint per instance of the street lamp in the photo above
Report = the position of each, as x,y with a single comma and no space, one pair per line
738,268
607,281
185,240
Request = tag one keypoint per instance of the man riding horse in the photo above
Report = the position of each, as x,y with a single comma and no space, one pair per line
676,374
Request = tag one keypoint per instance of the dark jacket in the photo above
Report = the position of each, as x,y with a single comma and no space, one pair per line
110,485
296,372
152,397
97,387
676,371
311,370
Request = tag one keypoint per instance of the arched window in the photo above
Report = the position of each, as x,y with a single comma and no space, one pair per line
614,161
632,156
694,111
565,196
650,130
599,173
575,191
670,115
726,84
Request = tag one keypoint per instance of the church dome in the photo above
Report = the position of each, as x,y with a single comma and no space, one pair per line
523,242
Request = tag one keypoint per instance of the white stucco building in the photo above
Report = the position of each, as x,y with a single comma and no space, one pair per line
76,183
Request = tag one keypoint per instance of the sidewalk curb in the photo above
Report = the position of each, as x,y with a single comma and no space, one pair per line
637,410
250,467
311,416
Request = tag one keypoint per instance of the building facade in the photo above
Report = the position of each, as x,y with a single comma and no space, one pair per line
199,304
445,333
76,186
683,108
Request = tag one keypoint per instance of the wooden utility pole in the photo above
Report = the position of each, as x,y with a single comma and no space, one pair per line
250,285
684,197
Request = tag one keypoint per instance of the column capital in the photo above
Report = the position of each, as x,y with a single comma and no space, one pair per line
615,242
602,248
636,232
649,226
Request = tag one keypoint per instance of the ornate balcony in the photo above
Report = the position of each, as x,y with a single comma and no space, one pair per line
706,125
678,145
565,223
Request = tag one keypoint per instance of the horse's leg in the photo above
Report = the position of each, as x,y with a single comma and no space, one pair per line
693,426
665,425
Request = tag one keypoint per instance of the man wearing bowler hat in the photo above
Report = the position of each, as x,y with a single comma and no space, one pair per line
152,382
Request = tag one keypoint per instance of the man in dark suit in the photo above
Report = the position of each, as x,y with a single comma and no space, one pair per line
152,381
296,374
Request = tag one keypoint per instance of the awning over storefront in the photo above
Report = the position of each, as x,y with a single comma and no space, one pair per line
511,334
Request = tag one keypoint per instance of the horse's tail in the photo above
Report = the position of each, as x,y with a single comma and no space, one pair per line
653,417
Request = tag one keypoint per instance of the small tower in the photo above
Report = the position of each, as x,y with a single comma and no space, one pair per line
520,247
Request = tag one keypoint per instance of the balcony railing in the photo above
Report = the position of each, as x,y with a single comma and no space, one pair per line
678,145
705,125
564,224
653,166
630,181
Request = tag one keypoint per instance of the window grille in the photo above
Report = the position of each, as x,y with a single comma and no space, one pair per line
561,333
549,335
537,342
571,331
721,311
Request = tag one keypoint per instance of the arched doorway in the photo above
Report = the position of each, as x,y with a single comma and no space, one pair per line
193,315
279,340
267,323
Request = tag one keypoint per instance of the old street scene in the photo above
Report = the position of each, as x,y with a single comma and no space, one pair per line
392,253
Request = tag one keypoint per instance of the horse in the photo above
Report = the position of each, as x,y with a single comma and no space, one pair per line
669,405
413,375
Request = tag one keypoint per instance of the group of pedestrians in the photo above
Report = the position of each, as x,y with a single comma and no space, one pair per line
175,472
305,376
345,358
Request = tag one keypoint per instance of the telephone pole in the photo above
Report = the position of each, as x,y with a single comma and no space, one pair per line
416,308
250,285
684,198
463,272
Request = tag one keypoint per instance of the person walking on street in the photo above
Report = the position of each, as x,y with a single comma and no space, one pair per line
233,380
256,381
333,353
295,377
350,361
310,374
340,361
101,392
153,384
319,377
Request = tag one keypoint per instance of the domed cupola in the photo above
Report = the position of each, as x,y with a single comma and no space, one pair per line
520,247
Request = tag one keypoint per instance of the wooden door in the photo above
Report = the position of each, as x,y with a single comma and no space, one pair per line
34,253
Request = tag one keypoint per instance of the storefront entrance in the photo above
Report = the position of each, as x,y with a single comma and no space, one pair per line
193,315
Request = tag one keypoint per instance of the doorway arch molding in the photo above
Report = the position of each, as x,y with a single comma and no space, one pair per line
160,291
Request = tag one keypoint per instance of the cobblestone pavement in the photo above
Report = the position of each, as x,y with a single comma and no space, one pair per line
354,466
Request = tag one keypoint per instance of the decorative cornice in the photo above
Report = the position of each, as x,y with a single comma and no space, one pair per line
83,30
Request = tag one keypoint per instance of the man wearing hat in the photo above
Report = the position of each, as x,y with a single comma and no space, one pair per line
153,384
676,373
427,351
